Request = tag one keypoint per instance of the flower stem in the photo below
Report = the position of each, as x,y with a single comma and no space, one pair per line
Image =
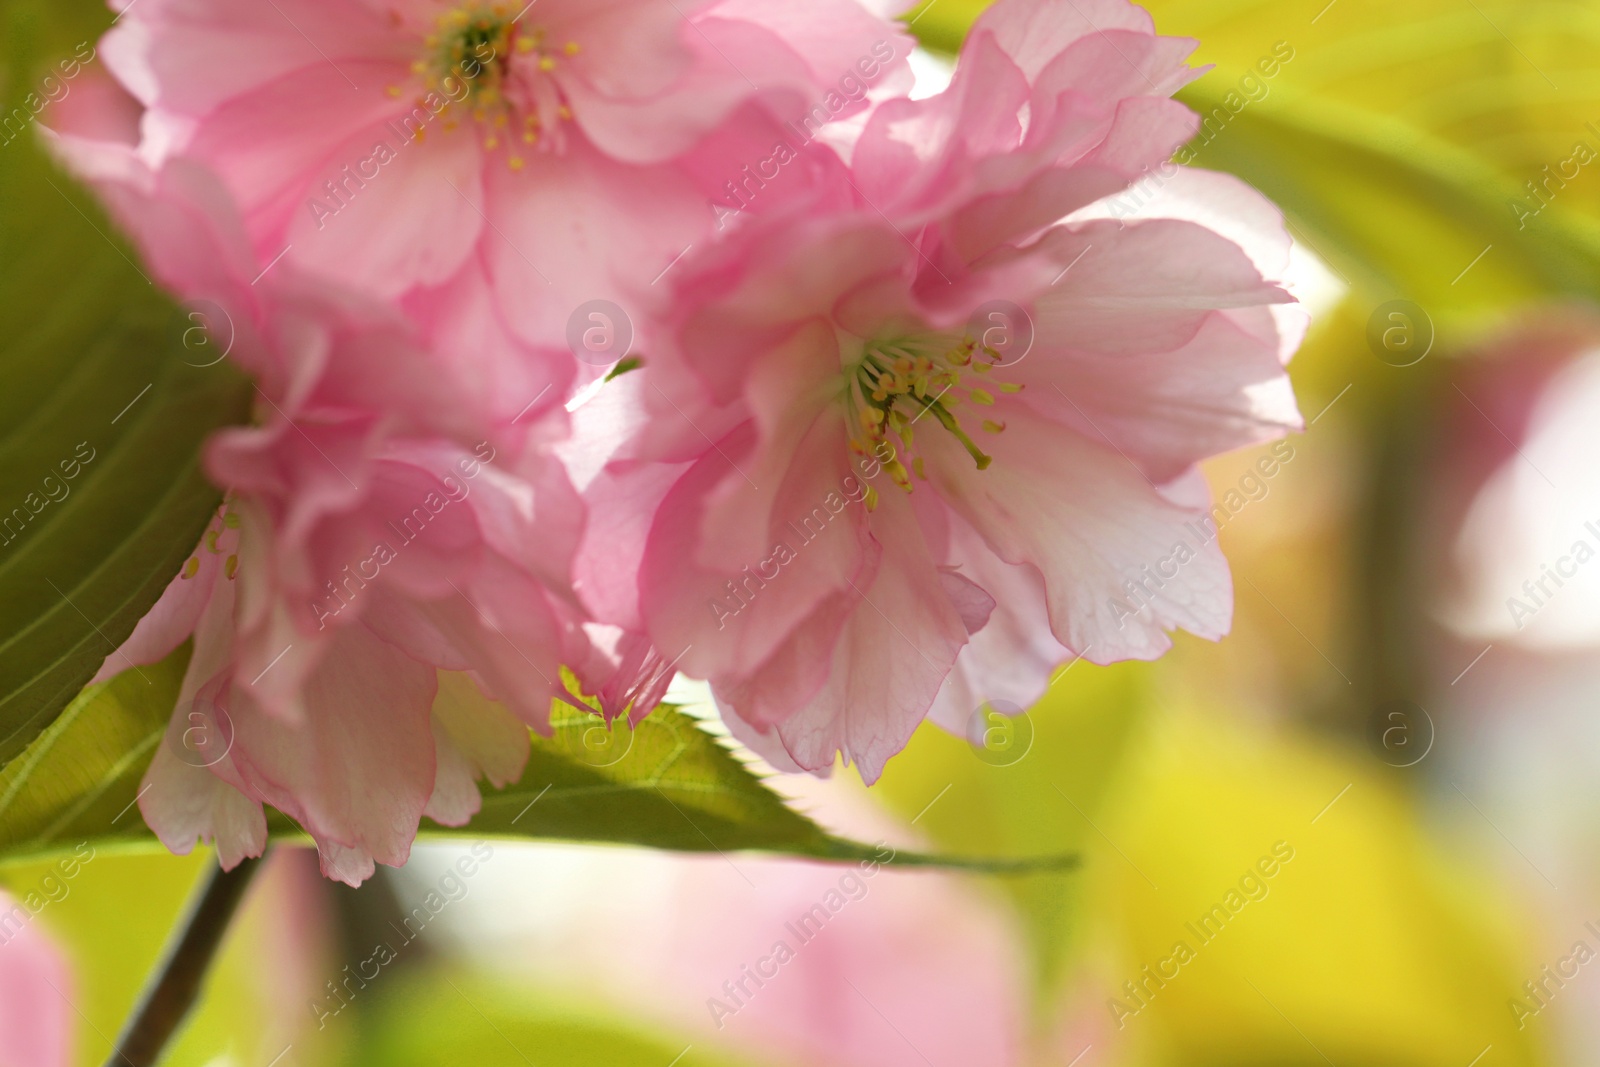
176,983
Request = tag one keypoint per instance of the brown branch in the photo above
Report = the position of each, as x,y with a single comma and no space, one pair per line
176,984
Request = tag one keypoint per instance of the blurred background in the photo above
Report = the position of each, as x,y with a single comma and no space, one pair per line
1360,831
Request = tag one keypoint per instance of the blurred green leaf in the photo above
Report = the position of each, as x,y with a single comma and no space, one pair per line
666,784
1399,137
444,1018
1035,789
101,494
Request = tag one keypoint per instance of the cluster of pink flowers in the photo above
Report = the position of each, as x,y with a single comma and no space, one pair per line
901,413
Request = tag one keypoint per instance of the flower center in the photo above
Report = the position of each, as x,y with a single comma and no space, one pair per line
483,64
899,380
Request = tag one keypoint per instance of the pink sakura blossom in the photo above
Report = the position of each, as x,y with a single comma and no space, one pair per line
489,166
383,606
918,422
856,498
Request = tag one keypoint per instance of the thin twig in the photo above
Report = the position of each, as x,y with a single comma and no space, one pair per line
177,981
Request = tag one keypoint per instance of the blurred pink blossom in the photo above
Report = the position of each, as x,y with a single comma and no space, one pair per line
489,167
368,544
36,1018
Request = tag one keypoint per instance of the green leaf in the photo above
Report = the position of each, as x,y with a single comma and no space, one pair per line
455,1017
667,784
78,780
104,412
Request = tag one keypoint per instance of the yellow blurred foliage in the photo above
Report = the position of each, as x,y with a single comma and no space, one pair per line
1365,947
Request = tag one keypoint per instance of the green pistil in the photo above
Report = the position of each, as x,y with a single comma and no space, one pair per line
948,421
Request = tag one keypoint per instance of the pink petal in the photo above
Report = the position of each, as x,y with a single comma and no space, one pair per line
559,224
1035,32
435,186
192,55
896,647
724,604
1012,657
187,805
1096,529
358,771
474,738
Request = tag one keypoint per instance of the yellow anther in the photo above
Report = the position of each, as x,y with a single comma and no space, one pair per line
980,396
547,63
524,45
516,163
393,90
490,144
994,427
231,567
572,48
191,568
564,111
1011,387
